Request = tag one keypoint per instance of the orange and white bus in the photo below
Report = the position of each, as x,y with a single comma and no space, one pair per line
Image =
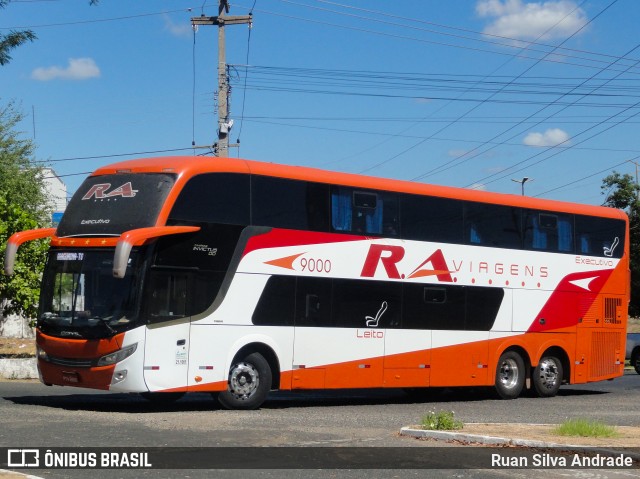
180,274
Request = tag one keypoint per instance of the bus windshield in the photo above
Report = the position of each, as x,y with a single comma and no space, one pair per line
80,298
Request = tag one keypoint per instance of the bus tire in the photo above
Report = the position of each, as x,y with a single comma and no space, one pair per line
249,383
510,375
547,376
635,360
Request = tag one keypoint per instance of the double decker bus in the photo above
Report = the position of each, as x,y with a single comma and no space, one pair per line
172,275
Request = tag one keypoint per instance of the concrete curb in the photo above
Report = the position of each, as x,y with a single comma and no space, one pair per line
12,474
18,368
414,431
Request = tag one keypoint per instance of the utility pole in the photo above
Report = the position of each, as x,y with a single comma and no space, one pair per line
637,184
224,123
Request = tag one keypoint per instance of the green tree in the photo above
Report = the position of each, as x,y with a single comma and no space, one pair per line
12,40
23,206
22,289
622,192
21,180
15,38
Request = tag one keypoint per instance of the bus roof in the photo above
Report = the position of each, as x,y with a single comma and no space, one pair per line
188,166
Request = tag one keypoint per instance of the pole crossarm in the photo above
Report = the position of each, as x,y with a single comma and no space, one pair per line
226,20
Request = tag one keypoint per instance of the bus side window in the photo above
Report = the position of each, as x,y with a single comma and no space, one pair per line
548,232
496,226
276,304
431,307
313,302
600,236
364,212
167,296
341,209
292,204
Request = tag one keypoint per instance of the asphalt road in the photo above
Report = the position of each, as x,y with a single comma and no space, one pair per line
33,415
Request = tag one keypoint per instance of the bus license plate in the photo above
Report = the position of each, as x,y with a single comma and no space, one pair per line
70,377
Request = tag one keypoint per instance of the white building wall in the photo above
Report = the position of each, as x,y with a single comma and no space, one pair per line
56,190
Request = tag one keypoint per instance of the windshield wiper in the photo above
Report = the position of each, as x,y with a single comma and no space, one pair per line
105,323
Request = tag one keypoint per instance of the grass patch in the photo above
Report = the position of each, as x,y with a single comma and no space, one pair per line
441,421
585,428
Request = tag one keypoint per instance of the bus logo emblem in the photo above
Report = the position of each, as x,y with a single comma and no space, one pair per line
100,191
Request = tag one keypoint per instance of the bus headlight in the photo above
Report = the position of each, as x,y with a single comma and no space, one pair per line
41,354
117,356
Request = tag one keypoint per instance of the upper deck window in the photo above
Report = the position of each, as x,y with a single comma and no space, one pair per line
214,198
109,205
364,212
293,204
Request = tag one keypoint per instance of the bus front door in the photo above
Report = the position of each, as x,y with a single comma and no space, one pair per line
166,359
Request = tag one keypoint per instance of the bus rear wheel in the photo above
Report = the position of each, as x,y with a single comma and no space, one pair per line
510,375
547,376
249,383
635,360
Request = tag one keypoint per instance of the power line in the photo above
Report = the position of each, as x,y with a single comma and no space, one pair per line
452,164
582,132
491,97
433,42
100,20
511,41
114,155
585,177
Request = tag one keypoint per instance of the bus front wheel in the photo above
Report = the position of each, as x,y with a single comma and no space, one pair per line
249,383
510,375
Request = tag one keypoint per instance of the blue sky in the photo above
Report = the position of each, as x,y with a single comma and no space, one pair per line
464,93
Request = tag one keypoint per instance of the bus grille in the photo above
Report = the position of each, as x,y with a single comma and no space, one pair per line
611,309
71,362
605,351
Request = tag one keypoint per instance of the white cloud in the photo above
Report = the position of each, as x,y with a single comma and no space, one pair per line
531,21
177,29
457,153
77,69
551,137
478,187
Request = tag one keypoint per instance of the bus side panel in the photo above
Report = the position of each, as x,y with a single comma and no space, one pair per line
459,358
351,357
407,360
599,354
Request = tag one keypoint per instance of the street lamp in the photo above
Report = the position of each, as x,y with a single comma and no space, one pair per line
522,182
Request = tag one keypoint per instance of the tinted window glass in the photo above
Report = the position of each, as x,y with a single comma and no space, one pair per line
364,212
450,307
493,225
427,307
313,302
431,219
166,296
276,305
291,204
112,204
548,231
211,248
600,236
214,198
361,304
482,307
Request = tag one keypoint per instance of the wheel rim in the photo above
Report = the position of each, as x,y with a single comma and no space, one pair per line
243,380
509,373
548,373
